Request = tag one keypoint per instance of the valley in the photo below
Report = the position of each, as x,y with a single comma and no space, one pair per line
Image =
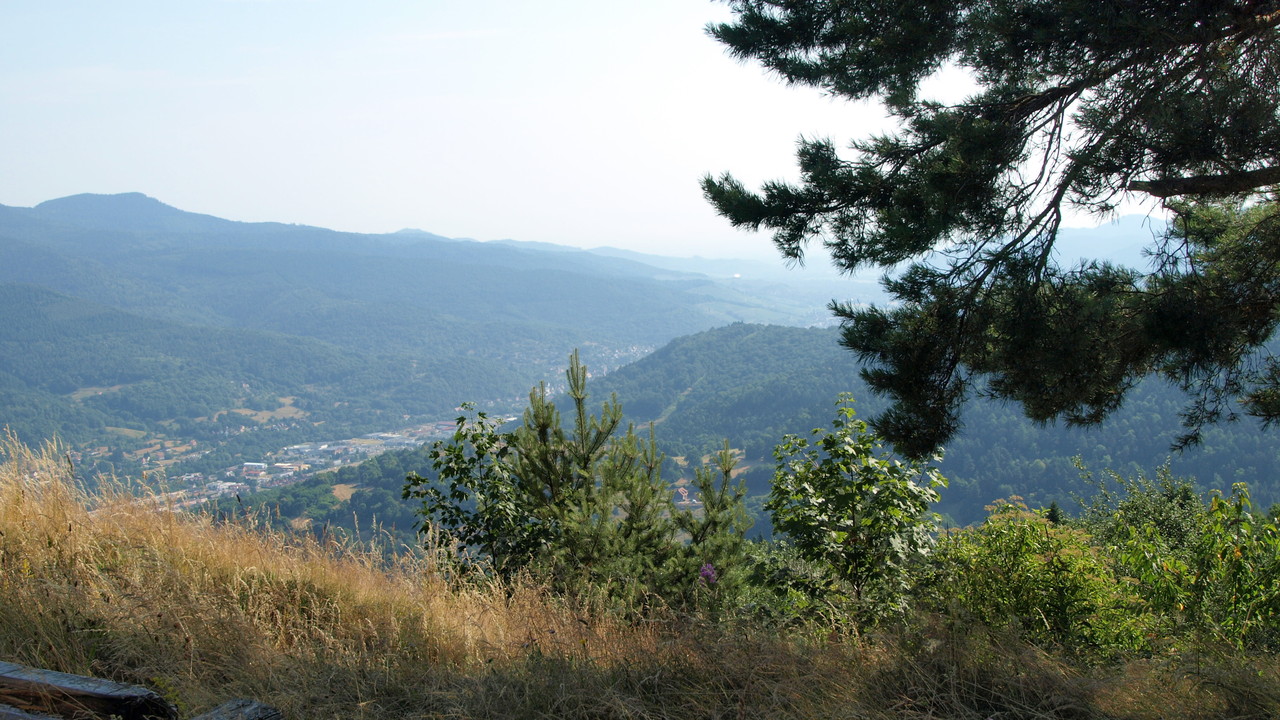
131,324
202,353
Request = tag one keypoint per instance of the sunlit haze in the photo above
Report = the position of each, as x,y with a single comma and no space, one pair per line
574,122
566,121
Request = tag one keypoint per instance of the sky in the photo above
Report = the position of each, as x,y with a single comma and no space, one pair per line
580,122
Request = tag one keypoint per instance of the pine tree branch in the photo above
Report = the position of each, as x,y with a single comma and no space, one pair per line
1228,184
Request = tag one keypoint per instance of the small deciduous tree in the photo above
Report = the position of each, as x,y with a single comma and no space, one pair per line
849,506
474,497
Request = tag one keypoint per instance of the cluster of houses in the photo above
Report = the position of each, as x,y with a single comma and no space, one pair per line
298,462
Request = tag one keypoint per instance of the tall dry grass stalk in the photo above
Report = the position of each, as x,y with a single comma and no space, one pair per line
119,586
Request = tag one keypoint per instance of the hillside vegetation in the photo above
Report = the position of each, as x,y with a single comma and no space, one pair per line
753,384
203,611
95,366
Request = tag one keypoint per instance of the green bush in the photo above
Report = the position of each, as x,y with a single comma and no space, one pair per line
584,508
853,510
1019,570
1226,586
784,589
1170,505
1209,569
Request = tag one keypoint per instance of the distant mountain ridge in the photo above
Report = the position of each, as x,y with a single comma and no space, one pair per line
134,252
129,318
385,327
130,211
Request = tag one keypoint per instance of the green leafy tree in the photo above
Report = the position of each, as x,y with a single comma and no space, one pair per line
1079,105
474,497
584,505
849,506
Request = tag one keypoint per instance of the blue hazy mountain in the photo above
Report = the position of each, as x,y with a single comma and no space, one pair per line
403,291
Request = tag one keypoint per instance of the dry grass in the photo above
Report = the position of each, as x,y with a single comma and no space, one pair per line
204,611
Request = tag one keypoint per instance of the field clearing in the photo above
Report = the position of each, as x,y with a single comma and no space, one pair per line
286,411
85,392
127,432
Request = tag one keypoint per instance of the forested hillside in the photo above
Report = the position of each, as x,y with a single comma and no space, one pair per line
84,372
129,322
752,384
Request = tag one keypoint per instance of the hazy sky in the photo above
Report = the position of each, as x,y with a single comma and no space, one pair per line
581,122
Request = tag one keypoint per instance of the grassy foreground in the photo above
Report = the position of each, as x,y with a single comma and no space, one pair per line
204,612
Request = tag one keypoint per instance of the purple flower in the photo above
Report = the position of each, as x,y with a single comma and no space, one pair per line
707,575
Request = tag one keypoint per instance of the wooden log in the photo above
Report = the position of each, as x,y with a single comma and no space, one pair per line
76,697
9,712
242,710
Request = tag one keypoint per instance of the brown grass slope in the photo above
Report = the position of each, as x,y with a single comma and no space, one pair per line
202,612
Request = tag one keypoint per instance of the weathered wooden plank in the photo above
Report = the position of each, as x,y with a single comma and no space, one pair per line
242,710
77,697
9,712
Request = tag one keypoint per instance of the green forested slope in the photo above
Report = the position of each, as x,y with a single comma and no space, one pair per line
73,369
753,383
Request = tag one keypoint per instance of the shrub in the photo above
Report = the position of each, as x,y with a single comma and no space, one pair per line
1019,570
1170,505
1226,585
1209,568
851,508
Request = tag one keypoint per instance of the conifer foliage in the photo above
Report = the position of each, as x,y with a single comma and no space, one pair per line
1079,105
582,506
